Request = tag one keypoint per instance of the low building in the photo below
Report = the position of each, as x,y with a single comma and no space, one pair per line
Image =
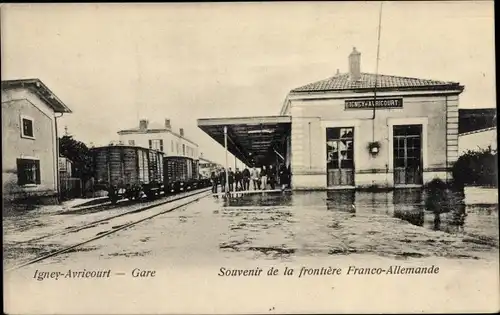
353,130
30,142
161,138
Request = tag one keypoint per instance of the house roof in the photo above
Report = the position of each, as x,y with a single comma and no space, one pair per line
342,82
39,88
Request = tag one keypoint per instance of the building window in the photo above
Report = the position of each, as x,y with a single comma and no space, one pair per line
27,130
156,144
28,172
131,142
172,145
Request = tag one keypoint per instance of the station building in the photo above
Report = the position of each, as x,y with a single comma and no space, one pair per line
353,130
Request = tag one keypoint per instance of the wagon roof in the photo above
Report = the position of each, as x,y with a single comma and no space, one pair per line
124,146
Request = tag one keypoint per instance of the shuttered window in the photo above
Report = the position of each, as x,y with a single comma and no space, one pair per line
28,172
150,144
161,145
27,130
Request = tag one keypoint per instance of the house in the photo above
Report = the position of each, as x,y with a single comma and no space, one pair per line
30,142
353,130
159,137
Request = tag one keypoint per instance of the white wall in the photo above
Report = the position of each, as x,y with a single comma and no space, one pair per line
172,144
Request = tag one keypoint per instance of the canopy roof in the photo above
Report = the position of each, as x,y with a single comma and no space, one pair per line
250,139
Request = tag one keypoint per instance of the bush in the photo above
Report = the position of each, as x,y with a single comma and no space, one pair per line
441,197
477,168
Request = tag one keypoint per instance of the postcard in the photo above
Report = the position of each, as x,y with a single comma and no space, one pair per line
265,157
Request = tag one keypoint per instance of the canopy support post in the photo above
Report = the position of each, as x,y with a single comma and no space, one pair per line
226,188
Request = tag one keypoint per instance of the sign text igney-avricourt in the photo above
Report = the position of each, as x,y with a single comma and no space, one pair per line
370,103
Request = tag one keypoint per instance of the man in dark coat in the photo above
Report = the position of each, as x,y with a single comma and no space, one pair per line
283,174
238,178
215,182
222,180
272,176
246,179
230,179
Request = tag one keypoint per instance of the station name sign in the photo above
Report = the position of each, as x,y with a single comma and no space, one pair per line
370,103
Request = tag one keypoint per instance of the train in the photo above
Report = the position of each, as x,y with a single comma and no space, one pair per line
132,172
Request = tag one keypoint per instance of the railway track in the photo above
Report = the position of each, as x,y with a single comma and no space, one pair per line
147,206
113,227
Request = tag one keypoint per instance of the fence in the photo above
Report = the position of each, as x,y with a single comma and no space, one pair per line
71,188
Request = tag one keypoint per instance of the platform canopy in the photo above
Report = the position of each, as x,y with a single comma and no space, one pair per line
250,139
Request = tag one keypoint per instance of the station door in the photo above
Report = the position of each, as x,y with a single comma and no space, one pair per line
407,153
340,156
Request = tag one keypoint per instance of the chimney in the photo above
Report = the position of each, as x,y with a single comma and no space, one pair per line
355,65
181,131
167,124
143,124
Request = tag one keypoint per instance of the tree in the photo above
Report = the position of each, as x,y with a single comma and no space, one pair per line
78,153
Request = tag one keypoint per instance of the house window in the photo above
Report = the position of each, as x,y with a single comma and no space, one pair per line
28,172
27,127
183,149
156,144
172,145
131,142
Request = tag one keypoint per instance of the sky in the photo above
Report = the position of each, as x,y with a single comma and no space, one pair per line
114,64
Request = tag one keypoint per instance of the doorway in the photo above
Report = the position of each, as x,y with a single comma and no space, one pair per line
340,156
407,153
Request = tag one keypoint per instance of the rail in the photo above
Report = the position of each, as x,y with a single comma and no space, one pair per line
204,193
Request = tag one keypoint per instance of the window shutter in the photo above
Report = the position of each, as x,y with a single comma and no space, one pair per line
161,145
21,172
38,179
150,144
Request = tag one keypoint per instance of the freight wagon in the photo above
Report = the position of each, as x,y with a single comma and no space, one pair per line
181,174
128,171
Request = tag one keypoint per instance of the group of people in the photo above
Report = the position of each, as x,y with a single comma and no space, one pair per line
260,178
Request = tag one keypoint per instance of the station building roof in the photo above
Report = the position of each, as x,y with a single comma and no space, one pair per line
249,138
342,82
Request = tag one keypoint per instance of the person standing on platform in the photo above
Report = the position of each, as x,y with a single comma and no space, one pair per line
238,178
246,179
255,178
271,173
222,180
263,177
283,175
214,179
230,177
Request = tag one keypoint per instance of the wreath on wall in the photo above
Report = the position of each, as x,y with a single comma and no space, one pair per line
374,147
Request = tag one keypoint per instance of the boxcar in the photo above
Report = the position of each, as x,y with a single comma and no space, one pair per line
180,173
128,171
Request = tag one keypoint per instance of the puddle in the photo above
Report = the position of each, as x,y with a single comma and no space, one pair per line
399,223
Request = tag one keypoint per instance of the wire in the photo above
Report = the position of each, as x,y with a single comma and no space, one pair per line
376,71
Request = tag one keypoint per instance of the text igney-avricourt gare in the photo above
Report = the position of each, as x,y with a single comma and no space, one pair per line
327,271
